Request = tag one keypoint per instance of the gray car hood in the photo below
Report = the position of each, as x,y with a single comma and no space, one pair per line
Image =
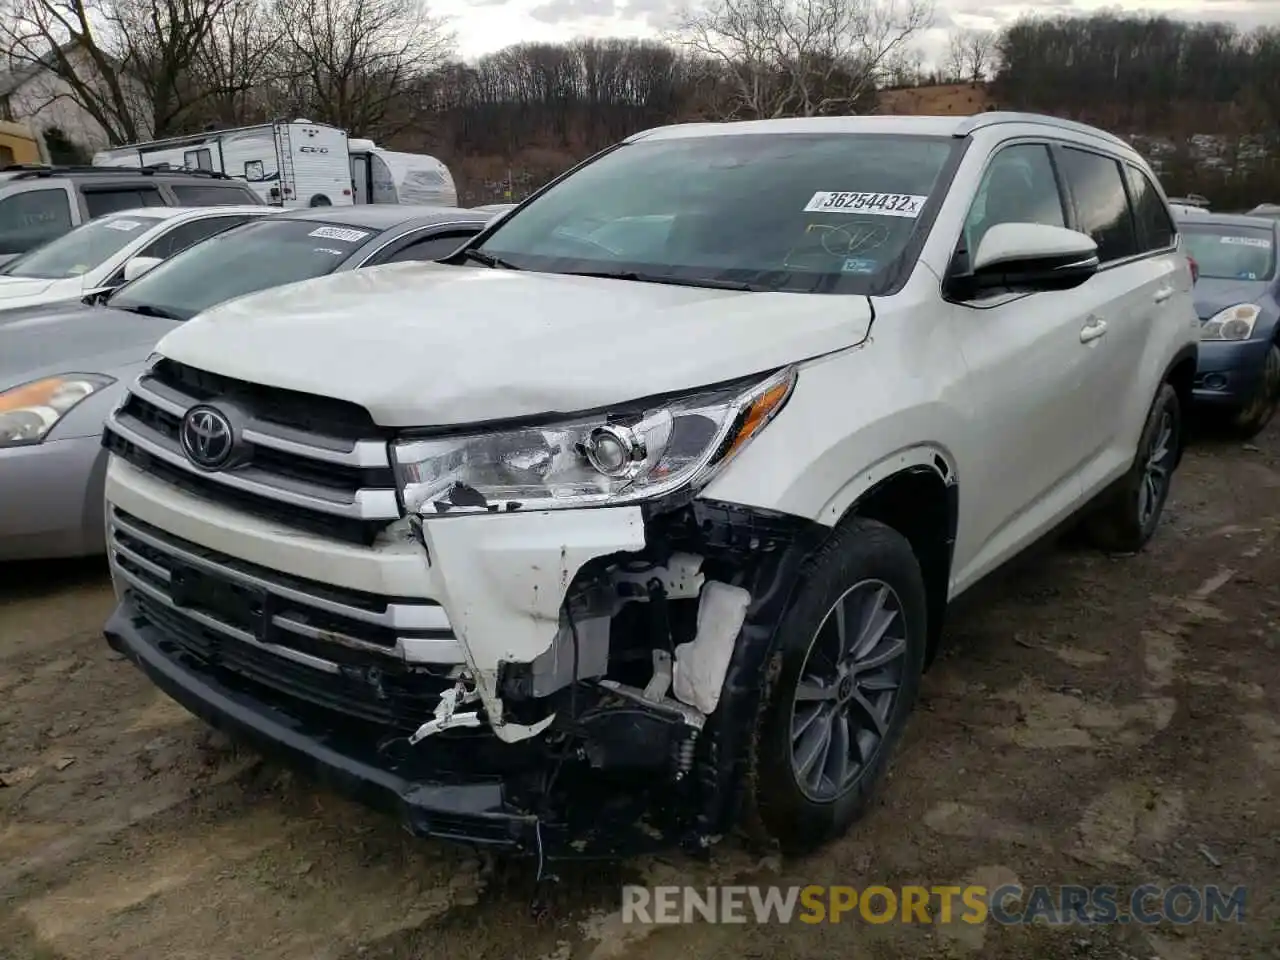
73,338
1212,295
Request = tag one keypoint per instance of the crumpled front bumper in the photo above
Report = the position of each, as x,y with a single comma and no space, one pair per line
473,809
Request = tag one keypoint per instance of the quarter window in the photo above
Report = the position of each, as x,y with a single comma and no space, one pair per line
1102,205
1155,227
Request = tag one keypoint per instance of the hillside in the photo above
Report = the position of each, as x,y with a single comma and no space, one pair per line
944,100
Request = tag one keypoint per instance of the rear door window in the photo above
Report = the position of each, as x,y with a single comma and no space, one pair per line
109,200
31,218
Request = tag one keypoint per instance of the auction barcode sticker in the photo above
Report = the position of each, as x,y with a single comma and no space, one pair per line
338,233
876,204
128,226
1262,242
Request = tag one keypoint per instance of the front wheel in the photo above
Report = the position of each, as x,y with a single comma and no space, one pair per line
1129,515
1261,408
852,650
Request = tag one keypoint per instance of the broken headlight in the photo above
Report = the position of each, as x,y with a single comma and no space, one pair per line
592,460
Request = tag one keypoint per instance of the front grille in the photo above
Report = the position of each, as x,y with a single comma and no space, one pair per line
313,463
339,649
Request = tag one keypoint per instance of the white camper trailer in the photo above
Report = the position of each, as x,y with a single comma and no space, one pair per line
299,164
387,176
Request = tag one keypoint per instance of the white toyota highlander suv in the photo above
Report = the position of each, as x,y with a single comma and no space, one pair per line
639,517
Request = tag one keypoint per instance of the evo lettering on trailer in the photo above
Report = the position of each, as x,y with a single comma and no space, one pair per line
906,205
313,149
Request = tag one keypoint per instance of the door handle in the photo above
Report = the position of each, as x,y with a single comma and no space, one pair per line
1096,327
1163,294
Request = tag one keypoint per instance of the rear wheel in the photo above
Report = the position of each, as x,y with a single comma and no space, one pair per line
320,200
852,651
1129,515
1253,418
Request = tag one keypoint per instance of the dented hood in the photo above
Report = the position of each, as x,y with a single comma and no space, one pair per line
426,344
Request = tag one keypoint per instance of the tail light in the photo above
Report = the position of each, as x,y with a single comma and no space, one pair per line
1195,268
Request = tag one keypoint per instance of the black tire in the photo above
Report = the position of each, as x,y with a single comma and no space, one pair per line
796,817
1254,416
320,200
1129,514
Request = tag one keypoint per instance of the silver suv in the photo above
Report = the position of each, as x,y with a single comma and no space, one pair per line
39,203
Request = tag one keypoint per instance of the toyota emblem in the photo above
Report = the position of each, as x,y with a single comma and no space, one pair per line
206,437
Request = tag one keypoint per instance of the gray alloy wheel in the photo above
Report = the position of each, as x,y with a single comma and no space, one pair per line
848,690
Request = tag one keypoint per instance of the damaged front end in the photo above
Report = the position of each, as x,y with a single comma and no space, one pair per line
607,615
642,706
580,673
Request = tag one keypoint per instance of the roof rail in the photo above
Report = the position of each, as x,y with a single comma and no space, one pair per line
991,118
31,171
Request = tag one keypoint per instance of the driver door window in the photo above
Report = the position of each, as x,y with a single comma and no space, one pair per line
1019,186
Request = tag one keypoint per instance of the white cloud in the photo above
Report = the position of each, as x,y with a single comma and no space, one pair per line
484,26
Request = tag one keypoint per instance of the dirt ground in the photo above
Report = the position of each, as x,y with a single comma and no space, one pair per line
1093,720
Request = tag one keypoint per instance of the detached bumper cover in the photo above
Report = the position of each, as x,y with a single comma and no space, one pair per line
468,809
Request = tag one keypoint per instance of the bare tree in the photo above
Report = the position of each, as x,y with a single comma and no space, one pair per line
353,61
237,61
126,63
956,59
801,57
978,51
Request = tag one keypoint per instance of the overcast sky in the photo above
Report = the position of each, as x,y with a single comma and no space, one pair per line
483,26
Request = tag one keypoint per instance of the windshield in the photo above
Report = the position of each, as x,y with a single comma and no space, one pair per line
824,213
245,259
81,250
1226,252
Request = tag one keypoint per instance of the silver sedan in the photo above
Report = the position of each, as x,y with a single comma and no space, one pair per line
63,367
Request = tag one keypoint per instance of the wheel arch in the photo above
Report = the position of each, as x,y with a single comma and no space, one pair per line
916,493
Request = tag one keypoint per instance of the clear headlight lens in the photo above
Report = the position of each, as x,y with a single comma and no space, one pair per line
1233,323
590,460
29,411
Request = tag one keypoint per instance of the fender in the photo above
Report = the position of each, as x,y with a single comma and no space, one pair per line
927,455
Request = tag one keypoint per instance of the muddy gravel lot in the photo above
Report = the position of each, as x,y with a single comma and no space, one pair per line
1092,720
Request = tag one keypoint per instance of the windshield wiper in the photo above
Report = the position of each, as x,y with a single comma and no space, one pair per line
488,259
709,282
147,310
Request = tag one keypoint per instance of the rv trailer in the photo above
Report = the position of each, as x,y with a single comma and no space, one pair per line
299,164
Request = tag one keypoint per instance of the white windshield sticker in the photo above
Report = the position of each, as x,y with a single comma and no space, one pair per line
876,204
338,233
1262,242
128,226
